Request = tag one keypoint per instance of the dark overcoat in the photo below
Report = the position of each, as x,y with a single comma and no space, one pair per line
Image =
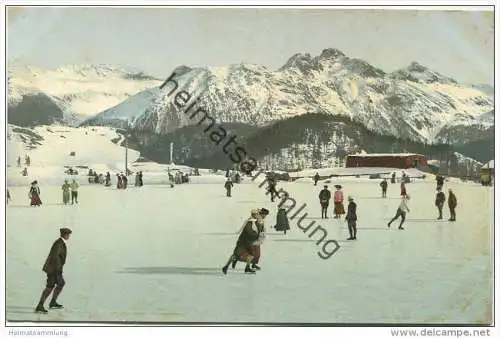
56,258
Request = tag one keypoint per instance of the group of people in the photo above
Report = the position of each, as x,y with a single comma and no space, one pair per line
338,210
27,160
70,189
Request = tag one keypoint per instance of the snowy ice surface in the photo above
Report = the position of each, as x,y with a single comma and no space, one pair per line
155,254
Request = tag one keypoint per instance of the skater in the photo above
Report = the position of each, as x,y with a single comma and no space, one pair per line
439,182
316,179
403,188
228,185
119,182
34,194
262,213
8,196
324,200
107,181
141,183
393,177
25,172
74,192
383,185
351,219
19,161
66,187
338,201
452,204
440,199
171,180
249,234
282,221
53,267
137,183
402,210
124,181
27,160
271,188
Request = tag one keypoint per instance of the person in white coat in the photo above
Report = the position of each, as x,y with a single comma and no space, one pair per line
401,212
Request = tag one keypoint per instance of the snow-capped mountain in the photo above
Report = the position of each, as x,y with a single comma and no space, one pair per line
69,94
414,103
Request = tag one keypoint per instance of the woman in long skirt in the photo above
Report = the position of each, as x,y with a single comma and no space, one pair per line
282,221
34,194
338,202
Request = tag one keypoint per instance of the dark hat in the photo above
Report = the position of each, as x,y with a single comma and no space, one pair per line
65,231
34,182
264,211
325,186
338,186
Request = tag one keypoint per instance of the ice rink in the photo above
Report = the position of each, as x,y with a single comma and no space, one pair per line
154,254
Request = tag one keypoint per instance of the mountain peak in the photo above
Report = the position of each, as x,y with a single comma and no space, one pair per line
419,73
331,53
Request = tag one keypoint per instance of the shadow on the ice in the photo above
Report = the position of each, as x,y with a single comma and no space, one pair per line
32,206
293,240
385,228
20,309
173,270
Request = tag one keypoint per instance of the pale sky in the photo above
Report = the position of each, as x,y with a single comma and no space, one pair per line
458,44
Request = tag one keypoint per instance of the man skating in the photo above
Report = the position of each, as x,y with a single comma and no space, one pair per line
440,199
74,192
316,178
351,219
324,199
66,187
244,245
401,212
452,204
53,267
228,185
383,185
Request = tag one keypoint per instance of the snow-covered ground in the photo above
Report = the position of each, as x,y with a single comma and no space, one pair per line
155,254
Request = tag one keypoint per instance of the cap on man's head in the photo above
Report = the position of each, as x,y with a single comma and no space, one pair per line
350,198
65,231
325,186
264,211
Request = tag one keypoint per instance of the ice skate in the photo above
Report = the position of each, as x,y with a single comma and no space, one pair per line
55,305
233,264
249,270
401,228
40,309
224,270
256,267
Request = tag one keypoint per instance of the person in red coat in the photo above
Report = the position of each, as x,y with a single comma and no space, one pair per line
338,202
452,204
53,267
34,194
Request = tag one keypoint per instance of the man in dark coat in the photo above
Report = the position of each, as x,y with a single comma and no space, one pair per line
440,198
452,204
393,178
53,267
228,185
316,179
324,199
250,233
383,185
439,182
351,218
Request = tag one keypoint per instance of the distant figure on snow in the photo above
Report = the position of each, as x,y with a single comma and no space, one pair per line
338,201
19,161
393,177
119,183
107,182
324,200
439,182
282,221
271,187
403,188
27,160
8,196
137,183
383,185
74,192
316,179
440,199
351,219
66,187
452,204
124,181
402,210
25,172
34,194
141,182
228,185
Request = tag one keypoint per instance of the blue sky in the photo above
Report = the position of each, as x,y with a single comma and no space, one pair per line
457,44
